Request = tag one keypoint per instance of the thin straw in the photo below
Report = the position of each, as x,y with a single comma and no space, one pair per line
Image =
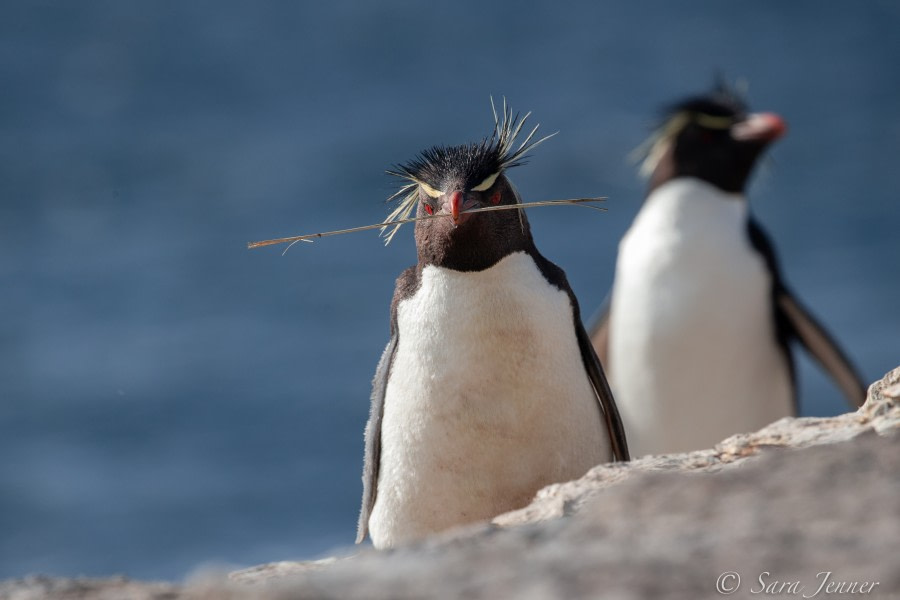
310,236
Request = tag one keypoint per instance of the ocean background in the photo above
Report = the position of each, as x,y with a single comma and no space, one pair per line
170,399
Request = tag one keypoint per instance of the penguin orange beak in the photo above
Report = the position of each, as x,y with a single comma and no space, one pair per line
760,127
459,203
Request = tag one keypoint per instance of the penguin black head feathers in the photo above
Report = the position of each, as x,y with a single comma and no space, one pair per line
712,137
450,180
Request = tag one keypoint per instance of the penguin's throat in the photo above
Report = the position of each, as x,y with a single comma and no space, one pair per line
470,246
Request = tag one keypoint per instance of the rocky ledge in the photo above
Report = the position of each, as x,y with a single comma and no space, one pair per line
802,508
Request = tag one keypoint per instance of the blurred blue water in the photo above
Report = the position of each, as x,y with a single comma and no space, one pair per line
169,398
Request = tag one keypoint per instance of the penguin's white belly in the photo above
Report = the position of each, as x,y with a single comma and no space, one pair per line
693,356
487,401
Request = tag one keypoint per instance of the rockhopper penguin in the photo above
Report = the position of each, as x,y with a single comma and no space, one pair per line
695,334
489,388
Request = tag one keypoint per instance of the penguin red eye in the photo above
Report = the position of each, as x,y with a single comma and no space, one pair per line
429,209
495,197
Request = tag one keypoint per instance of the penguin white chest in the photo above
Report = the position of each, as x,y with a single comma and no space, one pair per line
487,401
693,356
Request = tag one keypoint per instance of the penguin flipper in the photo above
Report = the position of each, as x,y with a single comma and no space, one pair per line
598,330
794,321
819,343
406,286
614,426
372,459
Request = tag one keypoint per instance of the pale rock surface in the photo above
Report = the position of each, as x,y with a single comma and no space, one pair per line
797,499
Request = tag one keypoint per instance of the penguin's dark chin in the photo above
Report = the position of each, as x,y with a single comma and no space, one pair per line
448,227
465,222
460,219
473,245
463,234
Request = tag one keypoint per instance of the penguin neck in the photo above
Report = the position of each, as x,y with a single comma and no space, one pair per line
473,246
686,189
692,204
729,176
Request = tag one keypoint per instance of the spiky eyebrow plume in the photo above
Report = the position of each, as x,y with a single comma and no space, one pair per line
719,109
470,163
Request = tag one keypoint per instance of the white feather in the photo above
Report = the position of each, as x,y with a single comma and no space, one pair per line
487,401
692,351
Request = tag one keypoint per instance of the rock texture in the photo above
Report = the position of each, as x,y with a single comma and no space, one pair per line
801,505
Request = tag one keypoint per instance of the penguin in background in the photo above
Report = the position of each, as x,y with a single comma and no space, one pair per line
489,388
695,334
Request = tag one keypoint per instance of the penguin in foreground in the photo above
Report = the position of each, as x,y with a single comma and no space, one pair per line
695,335
489,388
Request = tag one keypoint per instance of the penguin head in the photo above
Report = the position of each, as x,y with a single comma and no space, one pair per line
457,179
447,181
712,137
